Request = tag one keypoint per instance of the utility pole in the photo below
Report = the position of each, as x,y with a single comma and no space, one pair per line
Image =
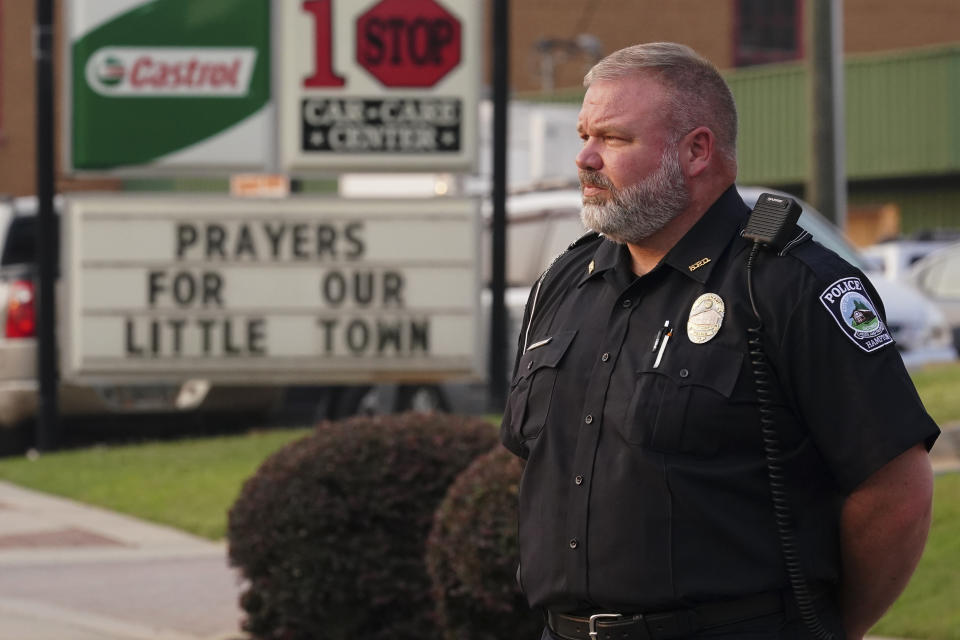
498,313
827,176
48,430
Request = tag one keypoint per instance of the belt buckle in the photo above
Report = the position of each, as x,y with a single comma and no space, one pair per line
592,626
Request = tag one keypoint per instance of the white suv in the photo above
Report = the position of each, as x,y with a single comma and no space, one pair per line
542,224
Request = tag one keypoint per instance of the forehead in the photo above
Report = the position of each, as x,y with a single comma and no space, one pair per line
627,102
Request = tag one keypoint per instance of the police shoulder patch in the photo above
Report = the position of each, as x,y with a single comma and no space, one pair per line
849,303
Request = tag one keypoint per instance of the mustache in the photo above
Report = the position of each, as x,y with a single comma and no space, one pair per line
591,178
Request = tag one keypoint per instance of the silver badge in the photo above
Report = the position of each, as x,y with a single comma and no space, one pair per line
706,316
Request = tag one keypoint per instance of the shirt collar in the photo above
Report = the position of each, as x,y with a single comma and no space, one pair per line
698,250
606,257
694,255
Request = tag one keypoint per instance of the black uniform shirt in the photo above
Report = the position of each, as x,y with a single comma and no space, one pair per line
646,484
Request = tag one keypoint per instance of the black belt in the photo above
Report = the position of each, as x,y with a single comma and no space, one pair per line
666,624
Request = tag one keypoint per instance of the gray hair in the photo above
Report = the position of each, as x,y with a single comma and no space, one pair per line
699,96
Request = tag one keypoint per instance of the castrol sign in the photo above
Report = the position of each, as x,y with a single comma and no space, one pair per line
171,71
157,88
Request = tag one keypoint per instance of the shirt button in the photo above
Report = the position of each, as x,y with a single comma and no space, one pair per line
626,304
578,480
605,357
684,373
529,366
574,543
588,419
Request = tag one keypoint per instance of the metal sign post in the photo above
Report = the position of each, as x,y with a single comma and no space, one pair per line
47,419
498,315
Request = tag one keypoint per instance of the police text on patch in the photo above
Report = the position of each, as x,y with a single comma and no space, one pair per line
849,303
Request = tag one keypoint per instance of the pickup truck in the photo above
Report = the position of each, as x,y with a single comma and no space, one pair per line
18,351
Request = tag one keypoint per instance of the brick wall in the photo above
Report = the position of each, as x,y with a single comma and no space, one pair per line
705,26
17,129
880,25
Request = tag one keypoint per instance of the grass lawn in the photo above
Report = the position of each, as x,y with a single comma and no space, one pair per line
939,387
928,608
188,484
191,484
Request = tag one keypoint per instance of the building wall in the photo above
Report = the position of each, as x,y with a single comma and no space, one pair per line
880,25
17,129
707,26
18,108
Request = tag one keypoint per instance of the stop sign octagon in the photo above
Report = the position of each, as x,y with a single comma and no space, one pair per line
408,43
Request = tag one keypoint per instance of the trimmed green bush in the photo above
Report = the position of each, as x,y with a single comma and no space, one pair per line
330,532
472,554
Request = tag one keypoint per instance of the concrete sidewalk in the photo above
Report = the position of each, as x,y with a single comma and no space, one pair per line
73,572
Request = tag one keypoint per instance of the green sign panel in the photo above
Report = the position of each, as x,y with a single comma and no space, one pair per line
171,84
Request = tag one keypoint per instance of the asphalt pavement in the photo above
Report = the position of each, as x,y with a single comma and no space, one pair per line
69,571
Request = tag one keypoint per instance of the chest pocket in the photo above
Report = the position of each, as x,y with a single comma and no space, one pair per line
684,405
532,391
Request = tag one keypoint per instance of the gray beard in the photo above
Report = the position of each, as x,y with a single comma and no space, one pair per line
635,213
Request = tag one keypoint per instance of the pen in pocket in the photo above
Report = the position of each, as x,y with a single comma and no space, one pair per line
663,347
663,330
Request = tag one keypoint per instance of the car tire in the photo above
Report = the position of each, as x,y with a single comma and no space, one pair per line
421,397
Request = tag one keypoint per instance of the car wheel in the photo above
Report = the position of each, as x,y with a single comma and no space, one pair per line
421,398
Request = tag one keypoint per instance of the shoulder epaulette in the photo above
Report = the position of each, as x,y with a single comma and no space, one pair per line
587,237
799,236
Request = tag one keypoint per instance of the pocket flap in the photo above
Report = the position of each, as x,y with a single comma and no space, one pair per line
546,352
703,365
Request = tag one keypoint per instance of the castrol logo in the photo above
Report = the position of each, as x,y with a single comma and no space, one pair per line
171,71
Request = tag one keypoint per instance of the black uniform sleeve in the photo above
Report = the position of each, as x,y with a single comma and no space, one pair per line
850,387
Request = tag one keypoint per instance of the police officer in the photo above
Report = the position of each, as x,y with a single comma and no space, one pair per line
647,508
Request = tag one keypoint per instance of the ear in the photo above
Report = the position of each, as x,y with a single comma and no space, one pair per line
697,151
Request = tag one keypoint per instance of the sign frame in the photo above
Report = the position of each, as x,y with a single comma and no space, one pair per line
319,368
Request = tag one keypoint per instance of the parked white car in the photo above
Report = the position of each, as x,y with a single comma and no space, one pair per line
938,276
894,258
542,224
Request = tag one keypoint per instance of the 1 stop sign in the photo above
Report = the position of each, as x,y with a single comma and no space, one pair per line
408,43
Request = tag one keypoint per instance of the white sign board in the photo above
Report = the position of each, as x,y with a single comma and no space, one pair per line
308,289
378,84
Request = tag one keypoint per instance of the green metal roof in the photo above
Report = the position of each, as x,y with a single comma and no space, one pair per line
902,117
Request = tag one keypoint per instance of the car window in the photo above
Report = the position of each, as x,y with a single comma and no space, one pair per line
20,243
941,278
827,234
822,230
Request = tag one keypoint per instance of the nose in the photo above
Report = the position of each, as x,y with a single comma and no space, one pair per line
589,157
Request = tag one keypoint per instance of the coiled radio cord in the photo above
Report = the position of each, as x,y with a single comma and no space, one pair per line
775,471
